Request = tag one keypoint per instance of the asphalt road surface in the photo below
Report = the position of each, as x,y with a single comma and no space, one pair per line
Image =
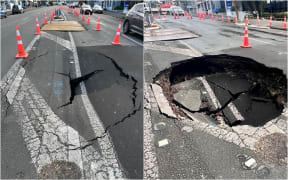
196,149
107,126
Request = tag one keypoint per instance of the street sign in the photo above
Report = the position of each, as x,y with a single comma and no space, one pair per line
126,4
228,4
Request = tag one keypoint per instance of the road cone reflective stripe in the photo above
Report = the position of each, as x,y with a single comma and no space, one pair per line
270,23
98,24
45,22
88,21
222,18
38,32
21,52
258,21
285,23
117,37
246,39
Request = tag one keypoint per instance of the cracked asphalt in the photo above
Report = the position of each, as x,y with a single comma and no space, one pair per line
204,145
46,107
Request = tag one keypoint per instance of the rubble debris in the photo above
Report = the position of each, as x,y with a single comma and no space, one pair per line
189,99
262,87
163,142
159,126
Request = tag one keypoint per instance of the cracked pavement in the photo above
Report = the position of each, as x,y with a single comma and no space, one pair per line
204,137
54,133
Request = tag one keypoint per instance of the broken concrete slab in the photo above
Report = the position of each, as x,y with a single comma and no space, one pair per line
189,84
189,99
162,102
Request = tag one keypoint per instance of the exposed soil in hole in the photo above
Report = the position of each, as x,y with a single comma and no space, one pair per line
262,86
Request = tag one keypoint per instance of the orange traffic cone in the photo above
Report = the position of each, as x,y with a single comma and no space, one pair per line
258,21
117,37
178,17
212,17
285,23
270,23
174,16
164,16
187,16
247,21
45,21
38,32
217,18
200,16
222,18
153,16
88,21
229,19
191,16
246,39
236,20
98,24
21,52
83,17
51,16
159,16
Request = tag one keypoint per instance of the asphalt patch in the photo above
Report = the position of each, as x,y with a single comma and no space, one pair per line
258,92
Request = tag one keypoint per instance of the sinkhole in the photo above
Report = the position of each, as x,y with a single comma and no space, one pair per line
248,93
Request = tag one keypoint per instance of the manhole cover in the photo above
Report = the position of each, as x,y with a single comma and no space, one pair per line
63,26
273,148
60,170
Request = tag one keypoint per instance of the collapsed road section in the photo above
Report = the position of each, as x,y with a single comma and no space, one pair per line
257,93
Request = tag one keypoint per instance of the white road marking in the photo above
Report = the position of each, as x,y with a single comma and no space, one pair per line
262,41
58,40
106,145
127,37
197,53
15,85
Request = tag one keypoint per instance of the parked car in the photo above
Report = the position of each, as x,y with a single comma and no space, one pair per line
86,9
134,20
176,10
16,9
98,9
3,13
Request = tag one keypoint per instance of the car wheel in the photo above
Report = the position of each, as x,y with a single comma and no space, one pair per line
126,27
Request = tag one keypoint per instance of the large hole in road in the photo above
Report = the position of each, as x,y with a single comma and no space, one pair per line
259,93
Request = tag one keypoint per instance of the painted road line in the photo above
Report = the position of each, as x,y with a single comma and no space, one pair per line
49,139
58,40
15,85
197,53
265,42
105,143
133,40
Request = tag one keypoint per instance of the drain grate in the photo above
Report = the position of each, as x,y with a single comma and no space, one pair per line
63,26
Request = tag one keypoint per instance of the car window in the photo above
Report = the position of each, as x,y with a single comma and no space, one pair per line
139,8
